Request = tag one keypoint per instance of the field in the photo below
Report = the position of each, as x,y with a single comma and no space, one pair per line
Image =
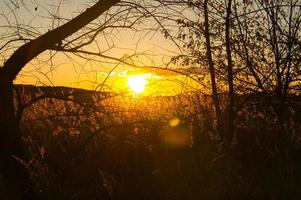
88,145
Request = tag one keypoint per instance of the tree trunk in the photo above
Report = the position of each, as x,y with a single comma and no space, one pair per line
32,49
11,147
230,110
212,72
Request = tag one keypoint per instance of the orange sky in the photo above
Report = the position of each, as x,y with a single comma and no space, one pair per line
152,49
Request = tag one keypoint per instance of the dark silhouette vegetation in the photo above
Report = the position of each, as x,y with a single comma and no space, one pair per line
88,145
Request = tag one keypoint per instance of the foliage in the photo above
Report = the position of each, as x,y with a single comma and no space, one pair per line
123,153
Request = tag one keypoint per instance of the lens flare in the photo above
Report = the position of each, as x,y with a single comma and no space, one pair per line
174,122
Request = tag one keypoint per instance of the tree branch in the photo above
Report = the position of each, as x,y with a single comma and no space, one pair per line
30,50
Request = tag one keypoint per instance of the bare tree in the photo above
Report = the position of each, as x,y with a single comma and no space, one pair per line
208,48
258,52
270,53
212,69
11,142
230,78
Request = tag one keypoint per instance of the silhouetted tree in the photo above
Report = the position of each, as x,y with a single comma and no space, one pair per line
11,147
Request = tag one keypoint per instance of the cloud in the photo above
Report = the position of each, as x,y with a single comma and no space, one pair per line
160,72
167,71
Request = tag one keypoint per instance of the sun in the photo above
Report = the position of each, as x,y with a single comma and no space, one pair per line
137,83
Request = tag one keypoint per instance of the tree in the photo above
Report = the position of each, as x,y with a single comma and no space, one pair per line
207,48
11,142
215,97
258,51
268,46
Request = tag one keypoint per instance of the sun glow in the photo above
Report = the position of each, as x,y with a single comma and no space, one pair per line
137,83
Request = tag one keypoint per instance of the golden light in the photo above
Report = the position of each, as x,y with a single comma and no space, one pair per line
174,122
137,83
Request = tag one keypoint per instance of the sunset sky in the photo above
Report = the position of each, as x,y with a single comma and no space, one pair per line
150,49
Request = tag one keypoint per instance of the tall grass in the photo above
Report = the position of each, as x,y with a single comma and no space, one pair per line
121,147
